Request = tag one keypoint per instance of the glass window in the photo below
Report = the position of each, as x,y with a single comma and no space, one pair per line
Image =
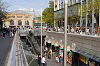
19,16
11,22
27,22
13,16
27,17
19,22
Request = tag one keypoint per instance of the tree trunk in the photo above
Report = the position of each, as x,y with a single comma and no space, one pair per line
86,14
81,15
93,19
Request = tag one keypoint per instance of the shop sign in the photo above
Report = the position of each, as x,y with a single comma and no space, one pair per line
83,59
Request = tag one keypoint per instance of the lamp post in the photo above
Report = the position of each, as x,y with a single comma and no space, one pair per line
65,53
81,20
41,32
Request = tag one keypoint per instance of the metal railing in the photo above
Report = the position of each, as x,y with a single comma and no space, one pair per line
17,56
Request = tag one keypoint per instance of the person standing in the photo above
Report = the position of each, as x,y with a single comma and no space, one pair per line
56,59
4,33
39,60
60,59
43,61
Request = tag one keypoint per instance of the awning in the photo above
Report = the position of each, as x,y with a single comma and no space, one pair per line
88,55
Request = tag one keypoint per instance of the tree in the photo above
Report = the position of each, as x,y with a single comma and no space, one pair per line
2,12
48,14
87,11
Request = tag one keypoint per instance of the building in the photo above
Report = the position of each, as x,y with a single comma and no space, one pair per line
82,49
77,15
18,18
59,13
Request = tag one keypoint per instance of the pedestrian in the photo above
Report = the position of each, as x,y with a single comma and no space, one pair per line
39,60
60,59
43,61
4,33
11,34
56,59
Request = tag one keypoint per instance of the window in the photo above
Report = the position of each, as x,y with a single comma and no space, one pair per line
27,17
11,22
19,16
11,16
19,22
27,22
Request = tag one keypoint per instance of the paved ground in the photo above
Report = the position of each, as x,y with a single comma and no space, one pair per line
52,62
5,45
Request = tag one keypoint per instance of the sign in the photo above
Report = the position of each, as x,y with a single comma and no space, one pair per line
83,59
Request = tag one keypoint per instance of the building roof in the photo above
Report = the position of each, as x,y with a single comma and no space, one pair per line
19,12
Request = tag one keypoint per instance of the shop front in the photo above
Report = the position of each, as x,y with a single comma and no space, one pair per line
83,61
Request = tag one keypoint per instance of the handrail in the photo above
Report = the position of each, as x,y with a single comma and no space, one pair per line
12,54
15,49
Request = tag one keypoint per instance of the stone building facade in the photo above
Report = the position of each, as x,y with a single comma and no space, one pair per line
17,19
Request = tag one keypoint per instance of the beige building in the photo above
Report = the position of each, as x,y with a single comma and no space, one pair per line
18,18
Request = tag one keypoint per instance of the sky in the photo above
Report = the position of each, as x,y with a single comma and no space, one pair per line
26,4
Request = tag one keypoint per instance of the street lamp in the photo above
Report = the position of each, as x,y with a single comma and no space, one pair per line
41,32
66,6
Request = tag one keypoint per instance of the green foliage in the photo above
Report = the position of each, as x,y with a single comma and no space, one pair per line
2,10
75,14
39,18
86,8
2,13
48,14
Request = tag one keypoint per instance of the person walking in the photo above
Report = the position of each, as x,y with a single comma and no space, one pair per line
43,61
39,60
56,59
60,59
4,33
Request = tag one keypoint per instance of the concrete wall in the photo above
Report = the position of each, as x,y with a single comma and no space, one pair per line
84,43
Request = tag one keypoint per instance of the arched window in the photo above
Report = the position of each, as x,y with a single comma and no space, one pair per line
27,22
11,22
19,22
